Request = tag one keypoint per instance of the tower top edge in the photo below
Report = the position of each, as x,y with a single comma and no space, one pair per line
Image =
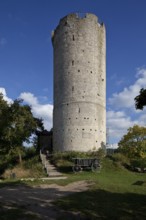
80,15
77,17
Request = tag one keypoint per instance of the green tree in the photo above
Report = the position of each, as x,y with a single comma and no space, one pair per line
140,100
17,124
133,144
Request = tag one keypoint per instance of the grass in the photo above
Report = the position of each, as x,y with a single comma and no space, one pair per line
30,168
116,194
14,212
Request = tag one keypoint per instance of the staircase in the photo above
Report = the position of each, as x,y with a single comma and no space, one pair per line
50,169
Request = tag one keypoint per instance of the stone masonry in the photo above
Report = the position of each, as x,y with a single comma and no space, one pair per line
79,118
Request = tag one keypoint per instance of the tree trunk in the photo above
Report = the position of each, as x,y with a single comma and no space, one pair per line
20,157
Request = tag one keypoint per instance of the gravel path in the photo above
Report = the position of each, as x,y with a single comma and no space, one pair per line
38,199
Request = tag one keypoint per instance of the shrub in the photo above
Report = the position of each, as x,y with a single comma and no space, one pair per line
120,159
140,162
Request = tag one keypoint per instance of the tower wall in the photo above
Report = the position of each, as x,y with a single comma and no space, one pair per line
79,84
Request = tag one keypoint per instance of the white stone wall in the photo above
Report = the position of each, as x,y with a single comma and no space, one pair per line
79,84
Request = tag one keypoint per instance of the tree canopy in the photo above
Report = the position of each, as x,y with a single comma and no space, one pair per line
133,144
140,100
17,124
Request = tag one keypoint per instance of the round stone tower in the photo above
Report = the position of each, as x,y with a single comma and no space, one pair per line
79,84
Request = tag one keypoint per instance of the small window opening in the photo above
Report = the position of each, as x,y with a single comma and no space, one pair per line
72,88
72,62
102,80
76,118
90,129
78,70
83,129
79,110
73,37
95,119
71,140
90,71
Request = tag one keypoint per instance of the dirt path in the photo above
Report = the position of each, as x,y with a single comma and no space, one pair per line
39,199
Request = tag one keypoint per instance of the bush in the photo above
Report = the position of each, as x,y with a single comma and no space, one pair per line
64,160
141,163
30,152
69,155
31,163
120,159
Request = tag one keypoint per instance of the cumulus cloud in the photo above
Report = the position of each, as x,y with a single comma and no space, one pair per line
5,97
125,99
43,111
119,121
39,110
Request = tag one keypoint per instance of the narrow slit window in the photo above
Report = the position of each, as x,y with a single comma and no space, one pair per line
73,37
72,62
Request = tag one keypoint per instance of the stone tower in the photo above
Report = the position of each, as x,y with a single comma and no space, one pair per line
79,83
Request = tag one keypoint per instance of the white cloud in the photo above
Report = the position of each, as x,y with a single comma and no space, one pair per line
125,99
43,111
119,121
5,97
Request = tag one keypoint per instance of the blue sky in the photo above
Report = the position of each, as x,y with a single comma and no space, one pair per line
26,58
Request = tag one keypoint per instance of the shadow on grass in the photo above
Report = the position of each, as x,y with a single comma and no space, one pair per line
65,169
20,201
10,183
12,212
101,204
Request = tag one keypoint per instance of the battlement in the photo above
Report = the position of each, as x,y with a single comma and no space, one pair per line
77,18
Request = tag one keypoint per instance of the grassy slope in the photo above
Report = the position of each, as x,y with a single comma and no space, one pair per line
116,194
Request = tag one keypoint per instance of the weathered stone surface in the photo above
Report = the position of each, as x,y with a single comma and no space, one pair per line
79,84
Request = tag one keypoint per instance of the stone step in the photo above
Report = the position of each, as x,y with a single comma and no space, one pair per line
54,174
50,169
